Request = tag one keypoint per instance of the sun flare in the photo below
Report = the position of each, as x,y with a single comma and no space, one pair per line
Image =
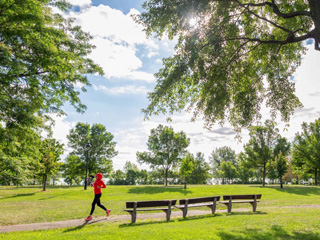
192,22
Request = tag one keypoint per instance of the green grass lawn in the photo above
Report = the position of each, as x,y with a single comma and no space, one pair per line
272,221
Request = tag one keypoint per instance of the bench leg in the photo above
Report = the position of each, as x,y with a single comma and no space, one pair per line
254,206
133,217
229,207
213,208
185,211
168,214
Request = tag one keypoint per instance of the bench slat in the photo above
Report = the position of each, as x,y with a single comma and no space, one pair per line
199,200
144,204
248,196
244,201
194,205
146,209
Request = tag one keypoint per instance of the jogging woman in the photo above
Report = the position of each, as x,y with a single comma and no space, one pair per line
98,184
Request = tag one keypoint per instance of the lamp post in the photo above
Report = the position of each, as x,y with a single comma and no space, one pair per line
88,146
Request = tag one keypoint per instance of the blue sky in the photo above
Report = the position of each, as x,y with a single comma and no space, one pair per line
129,60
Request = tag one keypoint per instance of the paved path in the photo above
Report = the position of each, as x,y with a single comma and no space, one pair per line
114,218
82,222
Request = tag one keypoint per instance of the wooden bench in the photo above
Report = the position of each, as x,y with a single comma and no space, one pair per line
210,202
162,205
252,199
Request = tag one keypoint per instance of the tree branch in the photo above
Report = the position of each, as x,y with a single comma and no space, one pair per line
28,74
276,10
262,18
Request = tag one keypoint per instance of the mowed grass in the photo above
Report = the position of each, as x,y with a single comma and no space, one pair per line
289,213
268,223
32,205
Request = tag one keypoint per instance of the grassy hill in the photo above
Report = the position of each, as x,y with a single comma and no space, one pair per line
289,213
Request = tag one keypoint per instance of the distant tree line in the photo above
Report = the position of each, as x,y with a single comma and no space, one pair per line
28,158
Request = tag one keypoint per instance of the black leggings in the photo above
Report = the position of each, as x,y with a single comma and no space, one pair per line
96,200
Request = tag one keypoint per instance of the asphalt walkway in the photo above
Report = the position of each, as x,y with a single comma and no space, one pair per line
82,222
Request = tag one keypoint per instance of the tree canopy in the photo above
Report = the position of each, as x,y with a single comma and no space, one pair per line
306,148
265,146
220,155
101,152
231,55
186,167
166,149
43,56
51,151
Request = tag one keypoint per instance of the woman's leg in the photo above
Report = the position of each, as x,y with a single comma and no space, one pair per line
95,200
100,205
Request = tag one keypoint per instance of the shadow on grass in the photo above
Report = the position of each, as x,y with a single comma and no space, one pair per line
198,217
155,190
299,190
21,195
245,213
147,222
191,218
38,187
77,228
54,196
83,225
276,232
219,215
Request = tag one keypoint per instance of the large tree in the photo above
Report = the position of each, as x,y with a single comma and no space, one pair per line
102,147
201,169
306,148
220,155
166,149
19,154
231,55
281,167
227,171
72,170
43,56
186,168
51,151
260,147
244,170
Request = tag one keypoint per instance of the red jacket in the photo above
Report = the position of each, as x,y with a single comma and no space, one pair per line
99,183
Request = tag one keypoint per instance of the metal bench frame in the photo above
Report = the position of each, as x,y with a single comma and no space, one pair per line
248,198
210,202
162,205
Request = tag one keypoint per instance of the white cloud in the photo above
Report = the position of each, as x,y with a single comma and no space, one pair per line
152,54
116,60
80,3
107,22
129,89
142,76
116,37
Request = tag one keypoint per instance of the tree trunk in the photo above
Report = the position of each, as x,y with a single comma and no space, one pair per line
166,176
264,176
44,182
319,177
315,176
185,182
315,14
281,182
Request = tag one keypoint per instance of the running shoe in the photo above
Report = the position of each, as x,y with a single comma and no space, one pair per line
108,212
88,218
